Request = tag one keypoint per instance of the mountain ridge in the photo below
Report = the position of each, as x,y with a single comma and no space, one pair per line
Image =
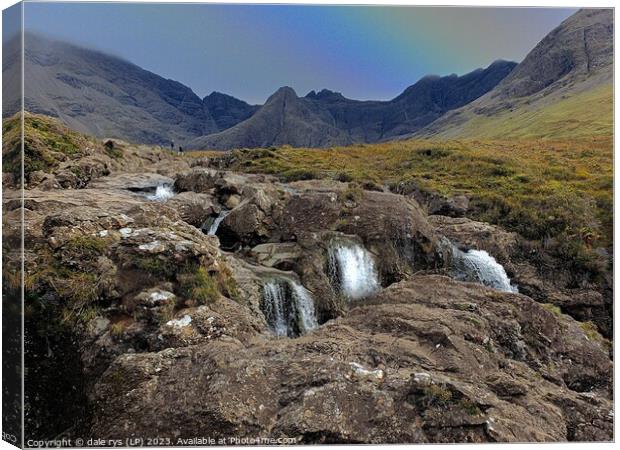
551,93
107,96
347,121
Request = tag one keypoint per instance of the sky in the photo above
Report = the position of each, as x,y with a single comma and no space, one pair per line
249,51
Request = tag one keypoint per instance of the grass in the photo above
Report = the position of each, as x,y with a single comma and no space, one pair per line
46,143
582,115
203,287
87,246
591,331
198,285
553,309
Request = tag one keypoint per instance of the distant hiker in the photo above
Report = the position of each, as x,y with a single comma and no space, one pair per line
180,149
172,146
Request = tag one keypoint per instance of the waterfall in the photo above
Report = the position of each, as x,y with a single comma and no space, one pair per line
352,269
288,307
480,267
162,193
216,223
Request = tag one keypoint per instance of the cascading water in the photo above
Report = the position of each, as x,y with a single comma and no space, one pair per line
288,307
479,267
217,221
162,193
352,269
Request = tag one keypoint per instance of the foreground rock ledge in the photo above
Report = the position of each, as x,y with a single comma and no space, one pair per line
426,360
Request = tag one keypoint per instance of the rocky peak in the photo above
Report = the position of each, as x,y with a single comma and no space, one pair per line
226,110
285,93
581,45
325,95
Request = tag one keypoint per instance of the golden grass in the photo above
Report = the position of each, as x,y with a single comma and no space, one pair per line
582,115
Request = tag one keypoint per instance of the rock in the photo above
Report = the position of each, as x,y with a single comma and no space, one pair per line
195,209
148,301
197,180
279,255
470,234
154,305
232,201
552,284
329,386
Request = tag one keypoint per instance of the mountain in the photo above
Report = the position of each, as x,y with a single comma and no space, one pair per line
417,106
563,88
105,96
328,118
283,119
227,111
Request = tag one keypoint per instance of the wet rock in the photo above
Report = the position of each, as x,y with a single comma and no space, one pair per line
195,209
279,255
466,233
197,180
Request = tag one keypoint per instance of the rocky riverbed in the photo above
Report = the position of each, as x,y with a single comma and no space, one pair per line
175,298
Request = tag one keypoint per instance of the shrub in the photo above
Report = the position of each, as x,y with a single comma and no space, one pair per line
353,193
299,175
437,395
343,176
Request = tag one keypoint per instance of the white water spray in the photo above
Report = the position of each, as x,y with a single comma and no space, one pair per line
480,267
216,223
162,193
288,307
352,268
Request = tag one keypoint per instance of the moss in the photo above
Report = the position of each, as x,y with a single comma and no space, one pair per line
88,246
155,266
198,285
470,407
555,310
117,329
45,140
591,331
353,193
474,320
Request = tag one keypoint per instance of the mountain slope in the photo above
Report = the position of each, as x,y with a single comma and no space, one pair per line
105,96
563,88
227,111
328,118
283,119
